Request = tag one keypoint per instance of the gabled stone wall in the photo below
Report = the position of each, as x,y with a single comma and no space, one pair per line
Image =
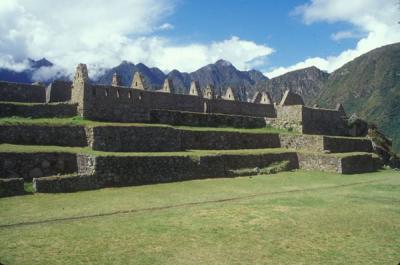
108,103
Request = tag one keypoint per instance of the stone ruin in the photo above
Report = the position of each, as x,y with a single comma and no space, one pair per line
315,142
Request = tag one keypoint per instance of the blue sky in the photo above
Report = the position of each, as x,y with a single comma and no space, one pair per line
271,36
267,22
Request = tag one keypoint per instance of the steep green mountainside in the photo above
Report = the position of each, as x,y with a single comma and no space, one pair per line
369,86
306,82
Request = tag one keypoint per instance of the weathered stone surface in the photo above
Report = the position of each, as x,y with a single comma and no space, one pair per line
291,98
116,80
346,165
343,145
319,143
302,142
163,139
35,173
360,164
34,165
311,120
70,183
17,92
59,91
195,89
138,82
262,98
230,95
205,120
11,187
168,86
43,135
38,110
135,139
214,140
108,171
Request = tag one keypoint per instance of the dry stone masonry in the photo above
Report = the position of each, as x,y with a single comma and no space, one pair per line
124,154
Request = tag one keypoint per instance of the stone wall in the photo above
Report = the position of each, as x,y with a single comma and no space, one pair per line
219,140
360,164
324,121
319,143
311,120
135,139
70,183
59,91
165,139
109,103
302,142
11,187
43,135
321,162
351,164
38,110
343,145
18,92
36,165
205,119
112,171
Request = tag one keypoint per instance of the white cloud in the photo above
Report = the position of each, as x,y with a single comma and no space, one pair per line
48,73
166,26
102,33
341,35
377,19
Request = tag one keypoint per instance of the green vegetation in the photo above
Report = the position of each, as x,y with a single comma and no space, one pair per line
87,150
370,87
272,169
79,121
287,218
191,153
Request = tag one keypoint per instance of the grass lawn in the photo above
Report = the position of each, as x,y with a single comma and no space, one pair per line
79,121
287,218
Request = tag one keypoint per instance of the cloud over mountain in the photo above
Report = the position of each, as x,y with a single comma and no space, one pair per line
102,33
376,19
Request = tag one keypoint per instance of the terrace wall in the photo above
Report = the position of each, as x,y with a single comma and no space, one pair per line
205,119
18,92
36,165
165,139
38,110
11,187
125,171
43,135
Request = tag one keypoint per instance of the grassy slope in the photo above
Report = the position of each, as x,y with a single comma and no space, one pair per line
193,153
78,121
370,87
353,224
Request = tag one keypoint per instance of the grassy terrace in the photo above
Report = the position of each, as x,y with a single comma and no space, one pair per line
287,218
87,150
79,121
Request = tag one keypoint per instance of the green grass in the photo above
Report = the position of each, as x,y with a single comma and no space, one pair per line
195,153
286,218
79,121
87,150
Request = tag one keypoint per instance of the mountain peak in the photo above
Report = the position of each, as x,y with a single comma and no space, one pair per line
40,63
223,62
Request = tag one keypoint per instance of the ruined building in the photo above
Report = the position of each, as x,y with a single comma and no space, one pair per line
311,135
